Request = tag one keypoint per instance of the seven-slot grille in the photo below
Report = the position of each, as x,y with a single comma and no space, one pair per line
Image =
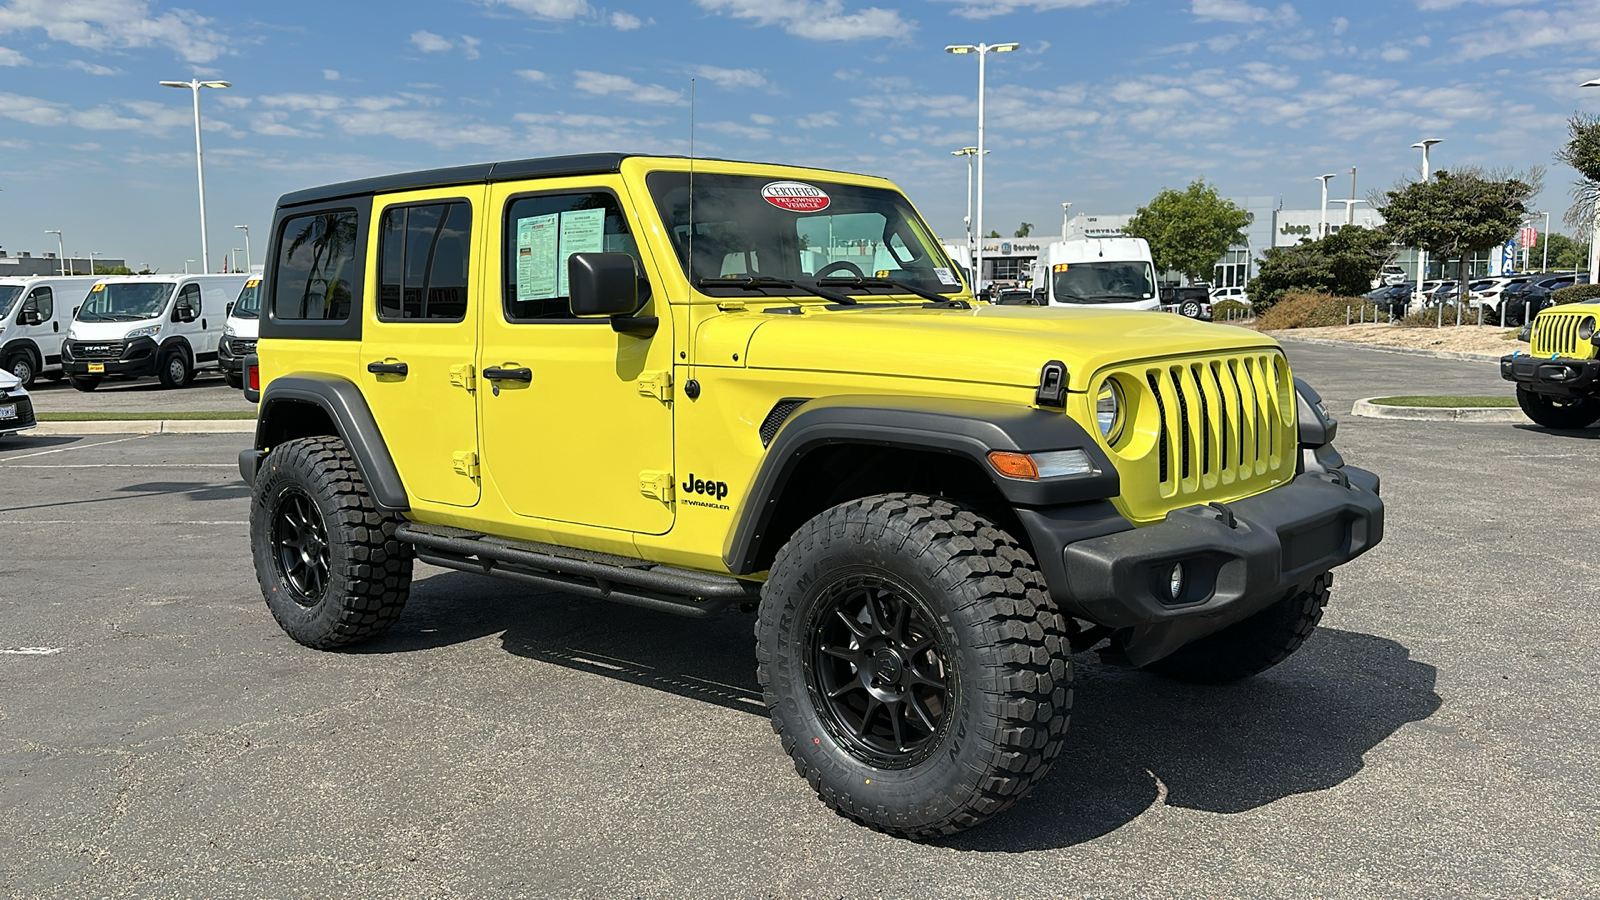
98,350
1556,334
1212,428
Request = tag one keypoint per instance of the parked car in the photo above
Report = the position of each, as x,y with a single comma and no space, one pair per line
134,326
35,314
1191,301
1521,301
1391,299
16,407
1234,294
1391,275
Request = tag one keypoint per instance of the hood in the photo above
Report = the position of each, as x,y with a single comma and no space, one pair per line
8,381
244,328
109,331
988,344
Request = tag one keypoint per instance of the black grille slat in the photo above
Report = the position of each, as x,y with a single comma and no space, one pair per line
242,346
1161,410
1184,462
99,350
780,413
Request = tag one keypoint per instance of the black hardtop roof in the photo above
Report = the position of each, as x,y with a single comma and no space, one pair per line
542,167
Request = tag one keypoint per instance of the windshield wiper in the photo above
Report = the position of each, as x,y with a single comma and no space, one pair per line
864,281
756,282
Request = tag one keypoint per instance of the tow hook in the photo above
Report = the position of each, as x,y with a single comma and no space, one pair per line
1225,514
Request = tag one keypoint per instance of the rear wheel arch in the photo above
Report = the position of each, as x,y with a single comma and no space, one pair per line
303,406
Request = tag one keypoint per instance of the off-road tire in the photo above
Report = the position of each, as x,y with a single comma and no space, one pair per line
367,570
1002,646
20,363
234,379
1251,646
1558,412
84,384
174,369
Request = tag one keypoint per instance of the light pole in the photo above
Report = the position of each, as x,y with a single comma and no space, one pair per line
1594,235
1322,228
194,85
248,264
1546,266
186,266
236,252
92,255
1065,217
1350,208
983,52
969,153
1422,255
61,250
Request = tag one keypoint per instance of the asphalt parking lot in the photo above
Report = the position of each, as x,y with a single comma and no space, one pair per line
208,393
162,737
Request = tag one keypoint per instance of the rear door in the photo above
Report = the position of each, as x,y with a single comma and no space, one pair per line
417,369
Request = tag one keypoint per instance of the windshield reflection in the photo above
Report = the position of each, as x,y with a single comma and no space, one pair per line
1107,282
112,301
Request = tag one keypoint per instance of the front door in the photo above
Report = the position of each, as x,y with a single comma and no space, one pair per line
47,334
416,367
580,427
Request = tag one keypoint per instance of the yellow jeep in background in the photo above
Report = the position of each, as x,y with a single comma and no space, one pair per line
689,385
1558,379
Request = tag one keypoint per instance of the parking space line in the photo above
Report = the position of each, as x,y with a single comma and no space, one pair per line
29,651
140,523
74,447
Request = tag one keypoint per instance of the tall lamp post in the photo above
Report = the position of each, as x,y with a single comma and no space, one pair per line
983,52
248,265
92,255
1594,235
61,251
969,153
1422,255
1546,266
1066,217
1322,226
194,85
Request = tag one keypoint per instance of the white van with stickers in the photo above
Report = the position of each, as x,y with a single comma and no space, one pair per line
137,326
1103,273
239,335
35,313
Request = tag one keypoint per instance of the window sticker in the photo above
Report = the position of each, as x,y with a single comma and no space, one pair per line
97,289
795,196
582,231
946,276
536,257
254,282
1061,267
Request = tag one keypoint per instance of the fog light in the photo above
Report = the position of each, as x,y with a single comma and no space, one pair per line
1176,580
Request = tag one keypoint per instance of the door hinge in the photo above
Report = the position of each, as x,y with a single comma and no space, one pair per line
657,485
463,376
658,386
467,463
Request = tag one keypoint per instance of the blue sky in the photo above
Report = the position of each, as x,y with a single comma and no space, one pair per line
1108,101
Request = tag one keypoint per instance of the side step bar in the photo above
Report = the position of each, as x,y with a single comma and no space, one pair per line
598,575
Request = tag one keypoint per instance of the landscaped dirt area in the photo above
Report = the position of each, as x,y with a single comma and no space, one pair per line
1480,340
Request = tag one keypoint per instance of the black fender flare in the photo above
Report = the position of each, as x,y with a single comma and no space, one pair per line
171,343
965,428
341,400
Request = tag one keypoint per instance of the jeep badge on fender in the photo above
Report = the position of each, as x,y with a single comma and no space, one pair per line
931,503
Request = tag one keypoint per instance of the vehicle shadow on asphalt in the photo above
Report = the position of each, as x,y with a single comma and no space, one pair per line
1588,434
196,491
1136,740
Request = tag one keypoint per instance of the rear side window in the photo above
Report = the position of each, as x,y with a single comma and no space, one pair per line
316,267
422,262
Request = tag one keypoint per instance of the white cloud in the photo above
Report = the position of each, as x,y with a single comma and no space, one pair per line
1273,78
731,78
532,75
748,132
1526,30
145,116
546,9
987,9
822,20
428,42
1241,12
602,84
405,117
9,57
330,74
762,119
622,21
1340,24
470,45
114,24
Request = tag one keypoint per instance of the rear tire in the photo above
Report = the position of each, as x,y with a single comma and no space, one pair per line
913,664
174,369
330,567
1251,646
1558,412
21,365
84,384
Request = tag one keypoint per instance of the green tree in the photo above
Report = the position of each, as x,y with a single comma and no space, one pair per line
1565,253
1582,153
1189,230
1024,229
1459,213
993,233
1344,264
113,270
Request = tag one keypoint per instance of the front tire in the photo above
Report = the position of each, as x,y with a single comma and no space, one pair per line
174,370
913,664
1558,412
21,365
83,384
1251,646
330,567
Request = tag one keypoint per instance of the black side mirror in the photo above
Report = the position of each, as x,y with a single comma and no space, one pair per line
185,313
29,316
228,311
606,284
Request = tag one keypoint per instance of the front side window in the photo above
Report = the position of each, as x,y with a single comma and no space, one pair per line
44,300
797,231
316,266
541,233
422,261
125,301
1107,282
190,297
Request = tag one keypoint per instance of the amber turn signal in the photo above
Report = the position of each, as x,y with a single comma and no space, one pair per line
1014,465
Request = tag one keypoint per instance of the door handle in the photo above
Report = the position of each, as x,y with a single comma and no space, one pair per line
383,368
496,373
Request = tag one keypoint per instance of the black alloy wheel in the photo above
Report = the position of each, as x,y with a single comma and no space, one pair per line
878,671
300,547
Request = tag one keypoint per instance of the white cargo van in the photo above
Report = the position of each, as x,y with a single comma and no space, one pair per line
1103,273
136,326
35,313
239,335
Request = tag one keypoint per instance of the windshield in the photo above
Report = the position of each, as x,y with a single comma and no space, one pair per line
120,301
248,306
799,231
8,298
1102,282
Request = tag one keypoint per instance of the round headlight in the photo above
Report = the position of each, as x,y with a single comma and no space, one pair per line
1108,410
1586,328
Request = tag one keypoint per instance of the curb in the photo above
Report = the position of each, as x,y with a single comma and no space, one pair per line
148,426
1437,414
1384,348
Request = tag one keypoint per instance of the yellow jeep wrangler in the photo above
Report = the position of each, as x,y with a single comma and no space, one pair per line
689,385
1558,379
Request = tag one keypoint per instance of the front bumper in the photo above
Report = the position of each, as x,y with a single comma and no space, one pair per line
136,358
21,418
1560,377
231,354
1237,559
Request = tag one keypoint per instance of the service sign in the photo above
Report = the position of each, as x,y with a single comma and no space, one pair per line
795,196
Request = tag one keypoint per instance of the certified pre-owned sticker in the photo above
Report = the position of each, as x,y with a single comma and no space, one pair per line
795,196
